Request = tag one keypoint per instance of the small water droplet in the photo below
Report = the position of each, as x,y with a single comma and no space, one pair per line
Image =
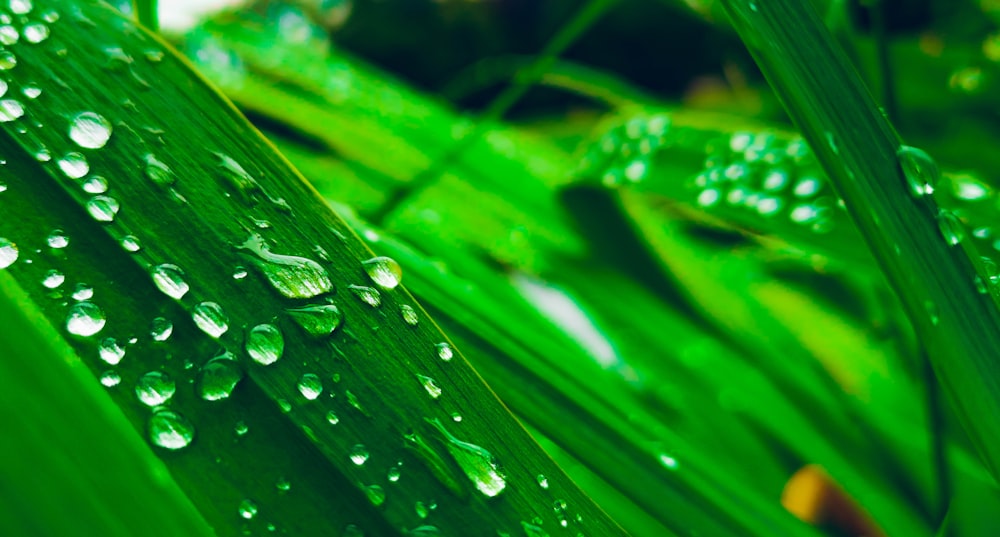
110,379
368,295
103,208
241,428
161,328
332,418
211,319
409,315
111,351
421,509
7,60
74,165
667,461
265,344
376,494
239,273
359,454
155,388
57,239
8,35
83,292
90,130
218,378
248,509
317,321
169,279
131,243
542,481
85,319
20,7
158,172
95,185
283,484
393,474
807,186
170,430
432,388
951,227
310,386
478,464
31,92
292,276
53,279
8,253
444,351
919,170
456,417
384,271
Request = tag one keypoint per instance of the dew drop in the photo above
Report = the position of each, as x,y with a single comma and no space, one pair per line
421,509
292,276
31,92
951,227
85,319
432,388
444,351
110,379
239,273
7,60
667,461
409,315
90,130
359,454
478,464
219,377
83,292
74,165
211,319
384,271
542,481
393,474
170,430
248,509
20,7
368,295
169,279
53,279
332,418
991,270
35,32
155,388
807,186
111,351
283,484
103,208
376,494
317,321
241,428
57,239
968,188
8,253
919,169
8,35
10,110
310,386
161,328
131,243
158,172
265,344
95,185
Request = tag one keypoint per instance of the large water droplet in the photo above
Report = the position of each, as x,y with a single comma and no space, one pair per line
919,169
85,319
265,344
478,464
319,320
211,319
310,386
161,329
368,295
103,208
74,165
219,377
169,279
359,454
384,271
170,430
155,388
20,7
111,351
90,130
8,253
432,388
292,276
951,227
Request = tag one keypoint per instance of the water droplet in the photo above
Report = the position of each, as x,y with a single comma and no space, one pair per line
478,464
542,481
158,172
3,88
265,344
155,388
85,319
284,405
409,315
319,320
219,377
74,165
95,185
53,279
31,92
248,509
83,292
211,319
807,186
991,270
393,474
111,351
376,494
8,253
7,60
241,428
20,7
368,295
169,279
421,509
667,461
170,430
110,379
283,484
8,35
90,130
384,271
161,328
131,243
310,386
57,239
968,188
332,418
239,273
35,32
293,277
428,383
951,227
444,351
456,417
359,454
919,169
103,208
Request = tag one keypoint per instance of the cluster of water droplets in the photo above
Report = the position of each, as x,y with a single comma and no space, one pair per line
624,153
